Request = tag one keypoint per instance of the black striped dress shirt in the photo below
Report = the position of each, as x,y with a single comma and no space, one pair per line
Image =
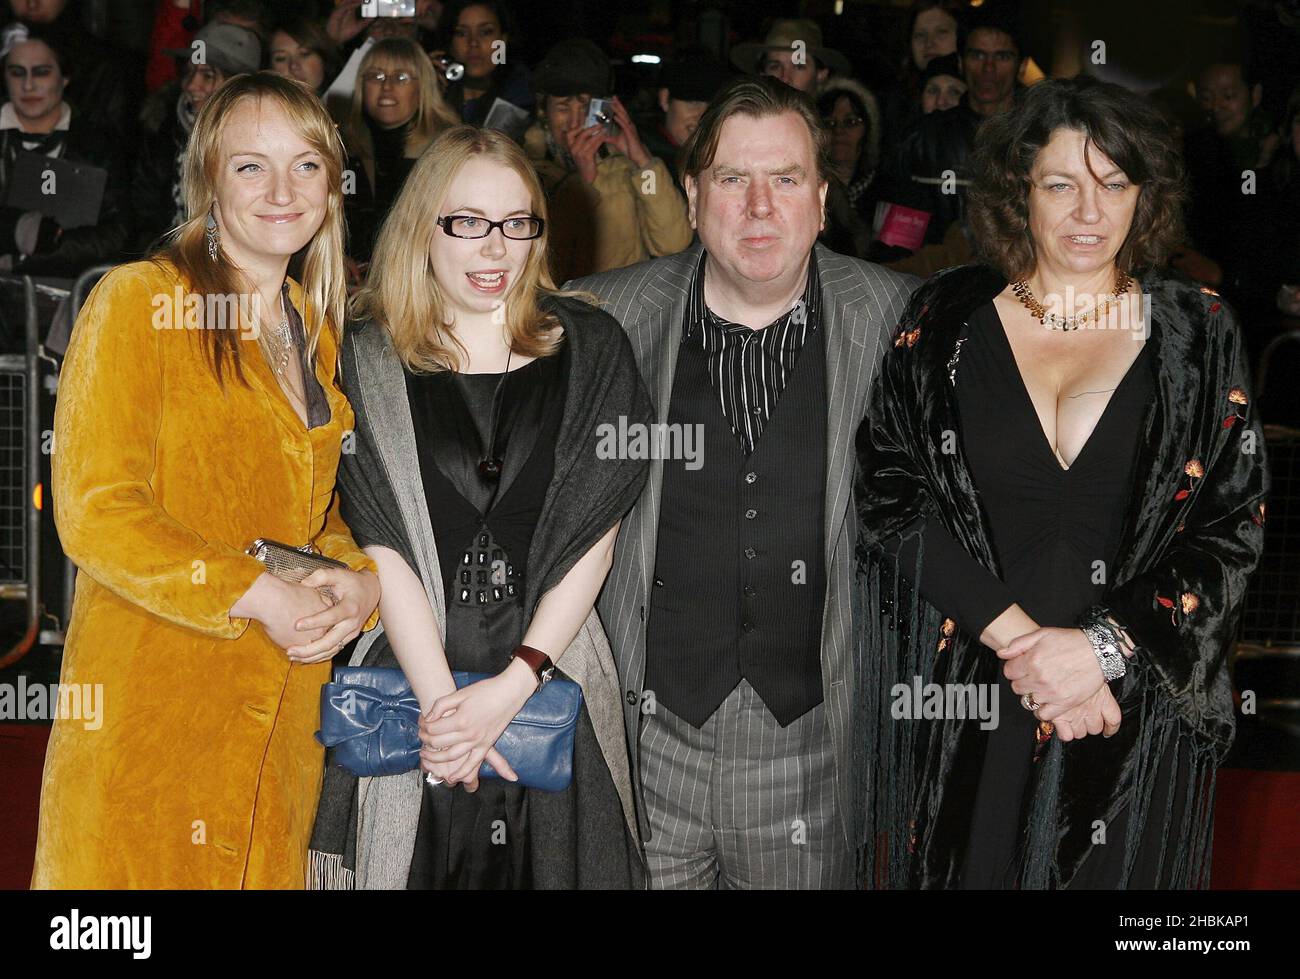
748,368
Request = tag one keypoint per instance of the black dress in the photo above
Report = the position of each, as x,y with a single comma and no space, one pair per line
1055,533
483,531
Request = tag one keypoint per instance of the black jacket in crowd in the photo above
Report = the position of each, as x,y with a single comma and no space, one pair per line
68,252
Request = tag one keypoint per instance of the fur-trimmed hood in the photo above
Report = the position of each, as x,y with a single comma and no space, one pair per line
861,92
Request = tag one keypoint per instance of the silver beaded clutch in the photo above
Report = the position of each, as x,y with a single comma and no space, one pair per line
290,563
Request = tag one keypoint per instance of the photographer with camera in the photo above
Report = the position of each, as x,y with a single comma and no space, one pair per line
612,203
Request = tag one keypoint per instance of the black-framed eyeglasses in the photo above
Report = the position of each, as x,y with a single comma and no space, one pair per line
523,228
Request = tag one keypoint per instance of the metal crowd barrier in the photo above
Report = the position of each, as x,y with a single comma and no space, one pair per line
24,499
1269,638
20,461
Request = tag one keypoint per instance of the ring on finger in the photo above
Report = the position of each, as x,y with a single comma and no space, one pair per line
1028,703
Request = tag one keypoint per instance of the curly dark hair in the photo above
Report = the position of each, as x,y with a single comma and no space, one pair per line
1121,125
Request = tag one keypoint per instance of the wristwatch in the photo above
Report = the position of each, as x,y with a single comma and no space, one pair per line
537,661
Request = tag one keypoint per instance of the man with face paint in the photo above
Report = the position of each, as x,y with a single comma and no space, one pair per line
37,118
109,80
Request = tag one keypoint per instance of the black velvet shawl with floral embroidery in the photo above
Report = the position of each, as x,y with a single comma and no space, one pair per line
1193,534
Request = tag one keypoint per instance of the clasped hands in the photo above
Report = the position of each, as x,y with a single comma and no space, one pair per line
460,729
313,619
1060,670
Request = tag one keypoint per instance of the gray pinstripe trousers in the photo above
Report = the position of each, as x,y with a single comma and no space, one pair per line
741,802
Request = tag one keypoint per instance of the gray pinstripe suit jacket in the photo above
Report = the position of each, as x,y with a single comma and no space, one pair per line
861,306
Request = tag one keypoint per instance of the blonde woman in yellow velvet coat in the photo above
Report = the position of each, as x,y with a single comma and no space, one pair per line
204,773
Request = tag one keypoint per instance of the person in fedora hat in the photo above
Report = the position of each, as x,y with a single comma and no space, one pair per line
613,203
793,52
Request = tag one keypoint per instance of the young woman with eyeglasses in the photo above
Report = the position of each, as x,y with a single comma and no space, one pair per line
484,487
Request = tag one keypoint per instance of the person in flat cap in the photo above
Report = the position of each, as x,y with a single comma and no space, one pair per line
793,52
687,84
613,203
227,48
218,53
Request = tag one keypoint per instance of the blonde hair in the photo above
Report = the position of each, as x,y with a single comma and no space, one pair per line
432,114
324,288
401,291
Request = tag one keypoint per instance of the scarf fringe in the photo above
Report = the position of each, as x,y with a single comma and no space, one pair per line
890,615
325,872
1164,732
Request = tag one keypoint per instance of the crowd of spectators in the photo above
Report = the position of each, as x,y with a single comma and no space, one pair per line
607,151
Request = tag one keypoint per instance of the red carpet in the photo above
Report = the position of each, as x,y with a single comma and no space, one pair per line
1256,844
22,757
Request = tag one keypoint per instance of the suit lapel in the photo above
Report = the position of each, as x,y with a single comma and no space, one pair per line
657,332
847,376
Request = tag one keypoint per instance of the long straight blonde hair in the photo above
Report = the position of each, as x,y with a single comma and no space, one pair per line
401,291
432,114
323,281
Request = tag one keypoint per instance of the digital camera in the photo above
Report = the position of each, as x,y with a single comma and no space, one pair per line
388,8
601,112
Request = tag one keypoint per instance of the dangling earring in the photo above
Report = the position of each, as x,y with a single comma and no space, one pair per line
212,235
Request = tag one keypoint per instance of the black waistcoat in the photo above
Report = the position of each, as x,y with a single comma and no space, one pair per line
739,571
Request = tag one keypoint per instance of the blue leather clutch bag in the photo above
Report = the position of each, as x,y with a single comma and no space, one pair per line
371,719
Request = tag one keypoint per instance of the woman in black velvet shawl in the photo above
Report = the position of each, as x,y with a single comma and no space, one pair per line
985,535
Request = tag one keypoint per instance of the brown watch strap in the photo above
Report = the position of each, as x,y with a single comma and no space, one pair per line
537,660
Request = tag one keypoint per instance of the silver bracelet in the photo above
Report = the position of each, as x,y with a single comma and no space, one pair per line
1105,642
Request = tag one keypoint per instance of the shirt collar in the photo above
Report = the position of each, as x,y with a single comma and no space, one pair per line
698,312
9,120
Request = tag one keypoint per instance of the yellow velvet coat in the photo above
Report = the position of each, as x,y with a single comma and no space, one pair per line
204,773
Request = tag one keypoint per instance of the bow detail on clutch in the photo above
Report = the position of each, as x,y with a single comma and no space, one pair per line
380,726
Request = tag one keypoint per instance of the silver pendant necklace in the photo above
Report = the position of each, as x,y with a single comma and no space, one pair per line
284,344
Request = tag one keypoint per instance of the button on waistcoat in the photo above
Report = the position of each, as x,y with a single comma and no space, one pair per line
739,574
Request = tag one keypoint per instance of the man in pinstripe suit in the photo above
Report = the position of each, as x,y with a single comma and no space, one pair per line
728,603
